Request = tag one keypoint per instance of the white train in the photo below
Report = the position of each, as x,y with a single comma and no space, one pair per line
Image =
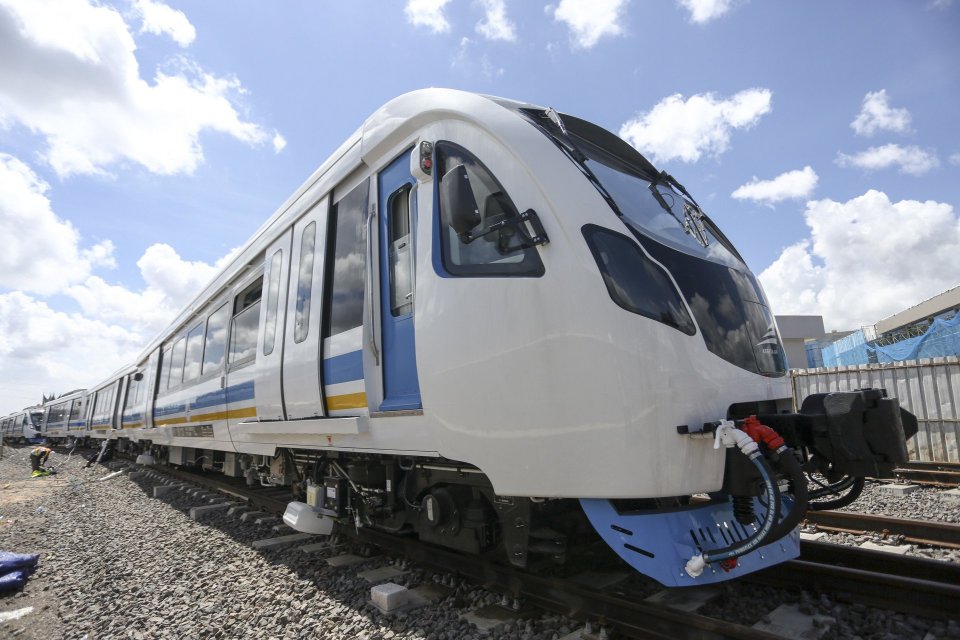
22,426
477,313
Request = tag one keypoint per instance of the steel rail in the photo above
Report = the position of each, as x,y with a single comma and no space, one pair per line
941,534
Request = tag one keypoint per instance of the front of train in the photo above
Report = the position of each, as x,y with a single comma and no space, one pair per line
668,262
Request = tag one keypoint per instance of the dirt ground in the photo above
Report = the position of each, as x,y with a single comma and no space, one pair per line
21,495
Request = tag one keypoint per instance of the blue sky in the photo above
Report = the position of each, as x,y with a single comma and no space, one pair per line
141,141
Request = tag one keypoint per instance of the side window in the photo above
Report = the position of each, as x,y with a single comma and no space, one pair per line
176,362
347,254
485,254
75,409
401,257
245,323
216,339
191,367
133,392
273,301
634,281
305,282
165,368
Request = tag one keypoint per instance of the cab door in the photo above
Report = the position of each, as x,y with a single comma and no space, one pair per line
397,203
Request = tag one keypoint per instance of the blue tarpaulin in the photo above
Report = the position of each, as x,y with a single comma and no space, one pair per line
942,338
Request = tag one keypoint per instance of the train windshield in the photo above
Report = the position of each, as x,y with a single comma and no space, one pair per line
719,288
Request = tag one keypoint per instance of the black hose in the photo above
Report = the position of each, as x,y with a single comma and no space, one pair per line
772,492
798,481
856,488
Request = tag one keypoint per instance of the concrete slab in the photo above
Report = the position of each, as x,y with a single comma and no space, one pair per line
389,597
161,490
787,621
344,561
136,475
812,537
240,508
318,546
380,575
688,599
600,579
953,495
490,617
270,543
198,512
271,519
899,489
253,515
427,593
896,549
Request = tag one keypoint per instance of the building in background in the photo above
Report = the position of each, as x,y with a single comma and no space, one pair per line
927,330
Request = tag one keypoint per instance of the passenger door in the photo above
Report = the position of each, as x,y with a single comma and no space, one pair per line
269,376
397,204
301,351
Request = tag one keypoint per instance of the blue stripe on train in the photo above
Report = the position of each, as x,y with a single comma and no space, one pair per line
237,393
343,368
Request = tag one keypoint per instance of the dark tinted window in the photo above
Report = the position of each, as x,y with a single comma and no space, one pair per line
347,254
728,306
176,362
635,282
165,368
493,254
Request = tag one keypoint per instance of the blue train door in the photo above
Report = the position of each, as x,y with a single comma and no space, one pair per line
397,199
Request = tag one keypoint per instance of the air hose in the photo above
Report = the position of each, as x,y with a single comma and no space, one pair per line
728,435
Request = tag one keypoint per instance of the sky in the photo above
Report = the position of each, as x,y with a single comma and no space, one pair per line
142,141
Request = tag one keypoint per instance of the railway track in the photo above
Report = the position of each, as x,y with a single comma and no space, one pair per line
938,534
941,474
896,583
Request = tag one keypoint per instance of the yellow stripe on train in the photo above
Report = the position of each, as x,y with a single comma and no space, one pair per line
347,401
245,412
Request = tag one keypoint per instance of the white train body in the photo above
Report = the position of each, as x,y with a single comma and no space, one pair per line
22,426
355,321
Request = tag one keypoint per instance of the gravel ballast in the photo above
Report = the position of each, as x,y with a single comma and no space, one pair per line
118,563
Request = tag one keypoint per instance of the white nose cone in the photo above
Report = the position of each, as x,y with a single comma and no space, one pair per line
302,517
145,458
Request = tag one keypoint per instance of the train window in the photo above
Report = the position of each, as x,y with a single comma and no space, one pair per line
133,392
493,254
176,362
216,339
305,282
347,254
75,409
401,257
634,281
245,324
165,368
191,366
273,301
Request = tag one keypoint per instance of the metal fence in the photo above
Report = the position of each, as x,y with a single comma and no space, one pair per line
930,388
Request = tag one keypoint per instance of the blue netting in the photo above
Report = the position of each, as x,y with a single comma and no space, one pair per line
942,338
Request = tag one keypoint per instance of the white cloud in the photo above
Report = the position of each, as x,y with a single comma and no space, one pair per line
70,75
912,160
678,129
469,64
43,253
955,159
171,283
160,19
44,351
866,259
495,24
703,11
279,142
795,184
877,115
591,20
427,13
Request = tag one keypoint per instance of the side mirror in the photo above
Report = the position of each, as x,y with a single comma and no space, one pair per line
458,205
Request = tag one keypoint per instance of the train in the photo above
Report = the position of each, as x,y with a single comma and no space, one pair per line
22,426
500,329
